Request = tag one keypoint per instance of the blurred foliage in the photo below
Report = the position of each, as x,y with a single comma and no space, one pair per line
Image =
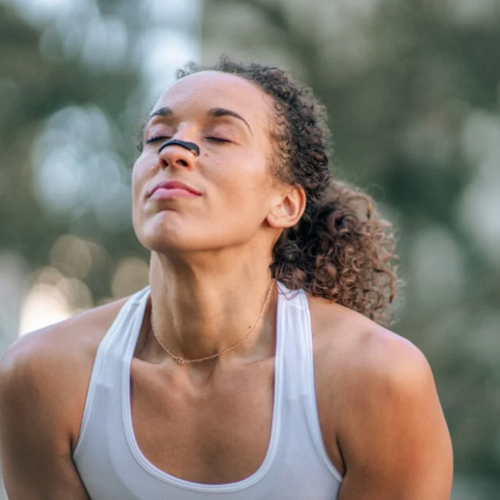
32,88
412,88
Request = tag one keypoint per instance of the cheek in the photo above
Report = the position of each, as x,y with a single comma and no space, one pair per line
139,175
136,183
136,175
248,171
246,186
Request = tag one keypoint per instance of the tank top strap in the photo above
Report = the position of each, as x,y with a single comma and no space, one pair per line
117,346
299,405
295,328
121,339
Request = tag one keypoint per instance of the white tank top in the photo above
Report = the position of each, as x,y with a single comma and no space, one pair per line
296,466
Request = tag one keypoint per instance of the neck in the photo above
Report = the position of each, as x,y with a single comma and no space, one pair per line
202,309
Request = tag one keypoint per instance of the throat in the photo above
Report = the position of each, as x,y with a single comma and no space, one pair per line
205,338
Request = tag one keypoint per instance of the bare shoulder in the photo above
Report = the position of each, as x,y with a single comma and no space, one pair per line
51,367
380,415
57,345
362,351
44,378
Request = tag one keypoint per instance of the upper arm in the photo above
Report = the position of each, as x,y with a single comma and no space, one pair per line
35,440
396,444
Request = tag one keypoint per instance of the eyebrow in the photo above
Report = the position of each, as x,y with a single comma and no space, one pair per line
166,112
219,112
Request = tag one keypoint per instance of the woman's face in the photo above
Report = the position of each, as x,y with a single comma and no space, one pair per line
230,120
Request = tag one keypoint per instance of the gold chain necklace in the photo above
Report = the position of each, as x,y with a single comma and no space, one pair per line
183,361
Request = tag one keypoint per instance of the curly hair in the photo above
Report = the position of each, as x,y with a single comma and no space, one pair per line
341,249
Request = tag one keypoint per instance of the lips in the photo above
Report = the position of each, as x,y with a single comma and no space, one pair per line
174,185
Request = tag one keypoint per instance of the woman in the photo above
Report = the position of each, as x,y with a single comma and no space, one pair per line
252,367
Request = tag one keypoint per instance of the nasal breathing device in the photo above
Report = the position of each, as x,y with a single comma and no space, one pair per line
191,146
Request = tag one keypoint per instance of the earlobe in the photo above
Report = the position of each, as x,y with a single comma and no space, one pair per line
289,210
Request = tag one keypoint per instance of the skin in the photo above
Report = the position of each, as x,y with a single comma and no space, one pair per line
380,416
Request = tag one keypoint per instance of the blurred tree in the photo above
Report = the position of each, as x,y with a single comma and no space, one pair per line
37,78
412,88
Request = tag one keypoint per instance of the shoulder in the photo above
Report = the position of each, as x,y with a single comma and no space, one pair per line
50,368
376,393
365,372
59,344
380,414
366,354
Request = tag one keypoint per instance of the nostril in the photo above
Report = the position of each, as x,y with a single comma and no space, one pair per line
184,163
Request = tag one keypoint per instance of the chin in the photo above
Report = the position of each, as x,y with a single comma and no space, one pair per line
171,237
170,233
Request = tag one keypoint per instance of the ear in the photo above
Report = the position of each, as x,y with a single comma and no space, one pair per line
289,208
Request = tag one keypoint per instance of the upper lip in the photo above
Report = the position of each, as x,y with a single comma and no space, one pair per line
174,185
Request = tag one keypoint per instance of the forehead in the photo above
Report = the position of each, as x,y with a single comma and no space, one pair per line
212,89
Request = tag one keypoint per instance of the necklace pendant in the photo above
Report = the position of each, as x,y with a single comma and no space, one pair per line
182,361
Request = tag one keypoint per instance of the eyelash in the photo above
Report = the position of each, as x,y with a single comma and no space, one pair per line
158,138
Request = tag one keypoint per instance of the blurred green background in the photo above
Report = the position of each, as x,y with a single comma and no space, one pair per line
413,93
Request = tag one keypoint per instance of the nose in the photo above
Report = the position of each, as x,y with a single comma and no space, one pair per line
178,153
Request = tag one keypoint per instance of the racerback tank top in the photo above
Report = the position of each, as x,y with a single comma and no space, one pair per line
296,466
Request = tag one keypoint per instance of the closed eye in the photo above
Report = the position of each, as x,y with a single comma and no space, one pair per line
157,138
217,139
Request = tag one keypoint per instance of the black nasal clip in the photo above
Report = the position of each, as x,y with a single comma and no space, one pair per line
191,146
